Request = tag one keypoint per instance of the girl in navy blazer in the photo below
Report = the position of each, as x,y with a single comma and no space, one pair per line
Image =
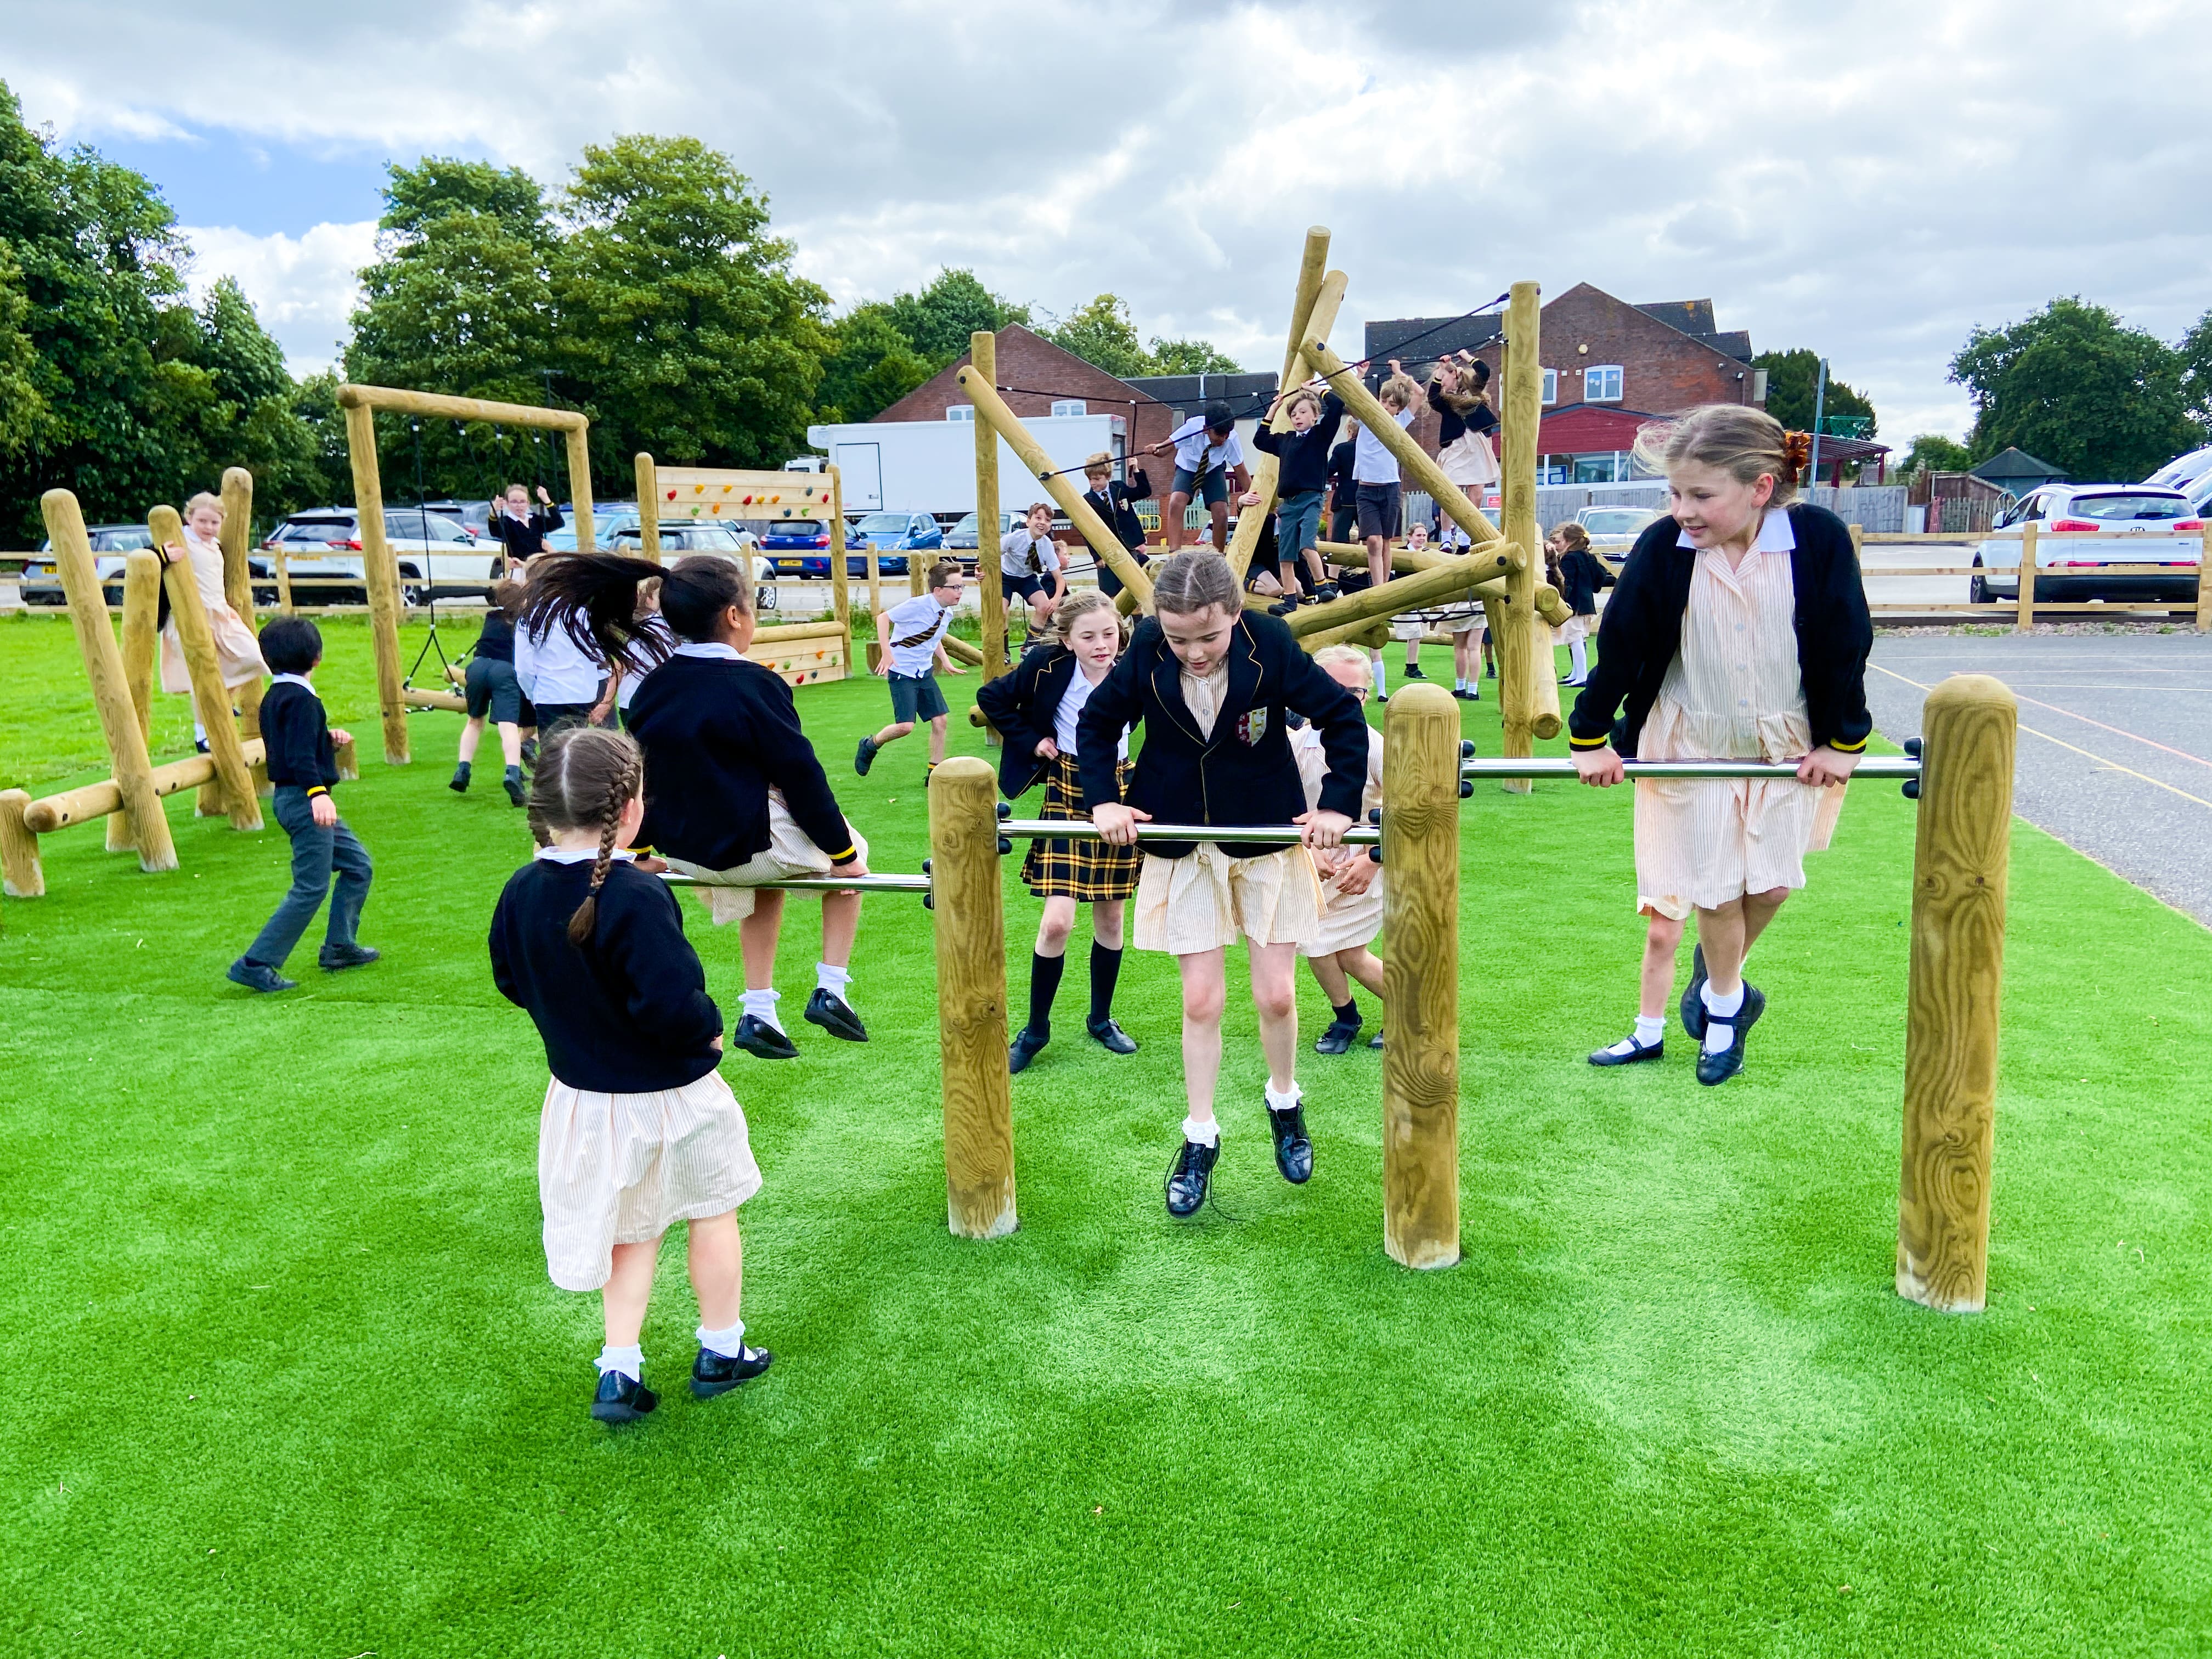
1212,683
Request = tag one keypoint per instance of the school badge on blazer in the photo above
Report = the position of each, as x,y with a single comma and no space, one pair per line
1251,727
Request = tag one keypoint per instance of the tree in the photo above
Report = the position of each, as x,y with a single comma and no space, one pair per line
871,366
2197,372
2074,386
1793,383
1932,452
1101,333
938,321
682,327
1190,358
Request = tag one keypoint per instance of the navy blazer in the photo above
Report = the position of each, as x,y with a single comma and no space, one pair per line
1245,773
1023,707
1640,635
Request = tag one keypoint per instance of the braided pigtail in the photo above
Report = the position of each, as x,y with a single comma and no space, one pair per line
619,790
585,777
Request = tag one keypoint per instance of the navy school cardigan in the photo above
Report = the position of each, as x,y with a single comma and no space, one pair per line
1023,707
1243,773
1640,635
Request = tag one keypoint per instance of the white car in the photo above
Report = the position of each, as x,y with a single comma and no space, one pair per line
2184,472
438,557
2134,524
1613,529
680,537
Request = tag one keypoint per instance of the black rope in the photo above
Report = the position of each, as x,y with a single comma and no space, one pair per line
430,576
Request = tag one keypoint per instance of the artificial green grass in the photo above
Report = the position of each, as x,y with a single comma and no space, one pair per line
287,1376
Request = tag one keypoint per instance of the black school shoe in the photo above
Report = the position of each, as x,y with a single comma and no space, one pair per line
1338,1037
1327,592
1719,1068
1412,672
761,1040
1110,1035
1293,1145
831,1012
1636,1056
715,1373
513,782
1026,1046
1189,1176
1693,1006
337,958
864,756
459,785
258,976
1465,695
1283,607
622,1399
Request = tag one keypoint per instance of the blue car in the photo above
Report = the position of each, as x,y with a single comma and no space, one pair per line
802,549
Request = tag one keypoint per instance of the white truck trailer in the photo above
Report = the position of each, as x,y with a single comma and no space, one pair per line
929,466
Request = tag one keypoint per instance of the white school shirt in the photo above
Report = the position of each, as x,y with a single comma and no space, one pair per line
1014,555
1071,710
710,648
553,668
636,667
1191,446
919,615
300,680
581,854
1371,462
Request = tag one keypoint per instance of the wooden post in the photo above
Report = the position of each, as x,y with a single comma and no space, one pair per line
142,588
992,409
1529,688
19,874
990,590
971,998
1420,979
2023,620
841,596
1960,854
283,579
2203,569
381,575
876,598
103,667
1413,592
237,578
648,508
231,791
1265,470
580,486
1312,263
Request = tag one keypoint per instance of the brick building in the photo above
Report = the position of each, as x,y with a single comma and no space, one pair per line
1609,367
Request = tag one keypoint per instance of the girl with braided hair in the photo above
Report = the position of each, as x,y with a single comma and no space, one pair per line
638,1130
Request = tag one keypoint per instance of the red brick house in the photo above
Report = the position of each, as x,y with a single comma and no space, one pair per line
1609,367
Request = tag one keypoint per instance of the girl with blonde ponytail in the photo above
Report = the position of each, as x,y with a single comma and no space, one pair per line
638,1130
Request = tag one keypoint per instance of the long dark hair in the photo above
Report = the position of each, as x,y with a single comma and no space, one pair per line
594,597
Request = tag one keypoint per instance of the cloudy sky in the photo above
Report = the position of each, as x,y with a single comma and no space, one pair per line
1870,180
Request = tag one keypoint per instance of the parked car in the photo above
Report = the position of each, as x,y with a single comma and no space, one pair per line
681,538
895,535
2184,472
112,544
1613,529
961,539
2135,524
438,556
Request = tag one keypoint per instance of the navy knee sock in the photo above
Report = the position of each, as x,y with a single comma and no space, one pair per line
1044,986
1105,970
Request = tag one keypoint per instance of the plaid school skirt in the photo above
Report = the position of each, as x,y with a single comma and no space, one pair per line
1088,870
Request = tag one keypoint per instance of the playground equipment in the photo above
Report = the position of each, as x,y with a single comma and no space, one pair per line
380,570
1314,305
121,678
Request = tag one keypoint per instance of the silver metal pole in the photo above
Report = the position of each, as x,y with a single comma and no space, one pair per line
1873,766
1282,835
822,883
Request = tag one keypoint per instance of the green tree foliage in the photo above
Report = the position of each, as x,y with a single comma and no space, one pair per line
681,326
1932,452
1102,332
2196,372
1792,382
2074,386
938,321
1190,358
871,366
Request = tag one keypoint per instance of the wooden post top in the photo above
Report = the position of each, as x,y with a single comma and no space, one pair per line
399,401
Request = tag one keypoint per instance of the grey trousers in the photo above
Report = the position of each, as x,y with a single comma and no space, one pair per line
317,853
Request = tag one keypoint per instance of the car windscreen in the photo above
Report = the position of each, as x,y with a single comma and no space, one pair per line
318,529
887,523
1616,523
120,541
2118,509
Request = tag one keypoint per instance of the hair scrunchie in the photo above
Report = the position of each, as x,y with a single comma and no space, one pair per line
1797,450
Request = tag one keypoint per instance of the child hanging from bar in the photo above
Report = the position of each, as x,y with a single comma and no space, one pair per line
1037,710
1459,390
910,648
238,658
1738,630
638,1130
739,799
1350,876
1301,456
1030,565
1213,684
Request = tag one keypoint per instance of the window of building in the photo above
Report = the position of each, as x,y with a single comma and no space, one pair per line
1605,467
1602,385
1551,386
960,411
1064,406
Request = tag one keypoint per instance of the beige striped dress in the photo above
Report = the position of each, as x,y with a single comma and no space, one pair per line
1733,692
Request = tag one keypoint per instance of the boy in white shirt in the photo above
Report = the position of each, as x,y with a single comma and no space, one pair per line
1375,473
1209,458
1029,564
911,636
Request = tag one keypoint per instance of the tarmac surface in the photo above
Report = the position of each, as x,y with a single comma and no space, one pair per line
2115,741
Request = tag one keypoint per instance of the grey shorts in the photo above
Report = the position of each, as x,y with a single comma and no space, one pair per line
1298,521
916,697
1215,489
493,689
1379,512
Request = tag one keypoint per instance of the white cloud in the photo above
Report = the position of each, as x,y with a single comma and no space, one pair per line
303,287
1871,181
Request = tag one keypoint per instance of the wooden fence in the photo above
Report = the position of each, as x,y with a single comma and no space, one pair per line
2033,562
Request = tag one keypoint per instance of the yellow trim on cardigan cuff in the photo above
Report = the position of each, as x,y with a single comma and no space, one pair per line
319,789
1843,748
1574,742
845,857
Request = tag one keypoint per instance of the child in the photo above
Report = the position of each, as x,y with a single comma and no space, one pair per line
1375,473
492,691
1412,626
1344,489
638,1129
1738,629
738,797
563,675
1030,565
237,657
1581,574
653,646
1116,503
1352,878
1302,474
1209,458
1036,709
1459,392
911,638
1212,684
303,764
518,529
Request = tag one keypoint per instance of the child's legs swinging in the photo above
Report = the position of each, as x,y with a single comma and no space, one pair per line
1275,995
894,732
472,734
1662,939
715,1254
757,937
1204,992
840,924
937,740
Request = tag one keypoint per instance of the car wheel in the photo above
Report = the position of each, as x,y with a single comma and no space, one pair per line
413,595
1978,588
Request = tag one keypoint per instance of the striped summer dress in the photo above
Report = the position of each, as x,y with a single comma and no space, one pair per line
1733,691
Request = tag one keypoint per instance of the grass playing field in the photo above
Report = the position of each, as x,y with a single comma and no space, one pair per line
288,1377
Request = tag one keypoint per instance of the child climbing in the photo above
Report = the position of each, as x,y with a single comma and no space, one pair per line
238,658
